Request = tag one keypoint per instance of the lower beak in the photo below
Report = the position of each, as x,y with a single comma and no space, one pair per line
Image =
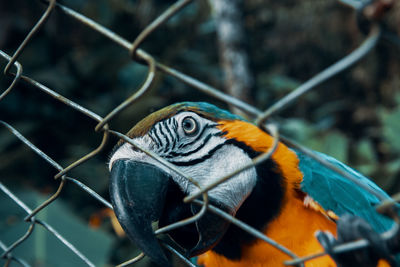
137,192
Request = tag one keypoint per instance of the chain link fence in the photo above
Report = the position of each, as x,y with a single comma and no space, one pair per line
14,69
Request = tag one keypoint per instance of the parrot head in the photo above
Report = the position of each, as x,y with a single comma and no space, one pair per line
206,143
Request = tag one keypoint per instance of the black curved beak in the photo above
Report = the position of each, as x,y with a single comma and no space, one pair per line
142,193
137,192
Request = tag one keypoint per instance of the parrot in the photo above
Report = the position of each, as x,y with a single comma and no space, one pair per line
288,197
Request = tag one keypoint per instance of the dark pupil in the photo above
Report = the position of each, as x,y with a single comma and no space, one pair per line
188,125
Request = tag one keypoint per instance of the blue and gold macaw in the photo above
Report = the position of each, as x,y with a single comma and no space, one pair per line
289,197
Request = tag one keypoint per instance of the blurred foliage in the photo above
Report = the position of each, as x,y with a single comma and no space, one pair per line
42,248
354,117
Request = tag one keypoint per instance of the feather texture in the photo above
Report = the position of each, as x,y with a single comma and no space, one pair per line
334,192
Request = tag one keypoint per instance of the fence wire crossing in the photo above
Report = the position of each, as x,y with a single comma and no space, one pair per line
14,69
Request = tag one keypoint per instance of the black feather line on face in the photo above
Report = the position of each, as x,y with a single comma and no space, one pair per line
209,126
261,206
199,160
154,133
166,135
206,139
169,125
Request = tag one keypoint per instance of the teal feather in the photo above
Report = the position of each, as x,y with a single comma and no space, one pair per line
207,108
340,195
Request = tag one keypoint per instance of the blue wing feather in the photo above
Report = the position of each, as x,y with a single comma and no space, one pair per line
334,192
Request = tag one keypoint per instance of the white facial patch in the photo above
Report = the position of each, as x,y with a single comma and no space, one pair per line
224,161
204,156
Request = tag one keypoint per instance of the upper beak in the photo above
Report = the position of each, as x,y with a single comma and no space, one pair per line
137,192
142,193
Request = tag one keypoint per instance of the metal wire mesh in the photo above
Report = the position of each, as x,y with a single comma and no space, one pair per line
260,118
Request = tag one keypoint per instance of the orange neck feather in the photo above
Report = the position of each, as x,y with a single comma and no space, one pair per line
260,141
296,224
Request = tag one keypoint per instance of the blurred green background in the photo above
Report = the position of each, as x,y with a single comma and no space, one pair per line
354,117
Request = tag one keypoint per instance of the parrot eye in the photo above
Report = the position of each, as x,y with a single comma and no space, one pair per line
189,125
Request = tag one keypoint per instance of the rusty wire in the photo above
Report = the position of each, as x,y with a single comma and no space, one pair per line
260,117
